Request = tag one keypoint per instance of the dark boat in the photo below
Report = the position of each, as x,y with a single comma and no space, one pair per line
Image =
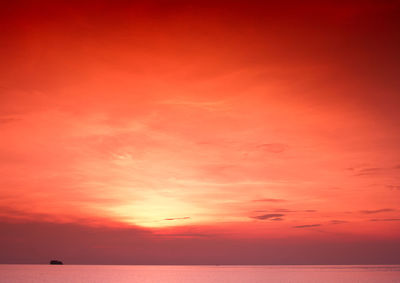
56,262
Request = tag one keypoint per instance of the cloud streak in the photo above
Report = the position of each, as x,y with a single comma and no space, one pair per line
273,147
177,218
269,200
268,216
377,211
385,220
335,222
307,226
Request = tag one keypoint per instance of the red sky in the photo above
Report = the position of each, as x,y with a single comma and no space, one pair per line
197,131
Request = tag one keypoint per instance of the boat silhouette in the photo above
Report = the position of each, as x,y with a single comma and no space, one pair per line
58,262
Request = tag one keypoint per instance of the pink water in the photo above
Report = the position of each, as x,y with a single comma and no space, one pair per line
197,274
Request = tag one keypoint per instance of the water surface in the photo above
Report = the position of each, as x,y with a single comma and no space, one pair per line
197,274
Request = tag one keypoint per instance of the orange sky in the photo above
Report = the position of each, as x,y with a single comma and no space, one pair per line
258,121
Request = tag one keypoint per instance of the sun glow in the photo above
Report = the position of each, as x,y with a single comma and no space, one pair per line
159,211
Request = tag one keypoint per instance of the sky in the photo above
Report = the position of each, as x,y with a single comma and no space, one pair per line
200,132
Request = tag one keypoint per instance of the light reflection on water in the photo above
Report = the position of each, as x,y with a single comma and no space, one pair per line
203,274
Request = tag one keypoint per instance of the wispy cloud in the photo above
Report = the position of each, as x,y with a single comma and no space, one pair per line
385,219
287,210
377,211
268,216
368,171
335,222
186,235
5,120
273,147
205,105
277,219
177,218
307,226
227,184
269,200
393,187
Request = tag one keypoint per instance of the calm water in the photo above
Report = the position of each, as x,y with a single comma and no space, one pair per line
203,274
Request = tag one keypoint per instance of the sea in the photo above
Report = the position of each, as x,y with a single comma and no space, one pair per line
10,273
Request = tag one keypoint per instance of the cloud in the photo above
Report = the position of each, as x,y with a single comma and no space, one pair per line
286,210
372,170
188,235
393,187
269,200
386,219
279,210
307,226
377,211
268,216
9,213
368,171
338,222
283,210
205,105
8,120
273,147
177,218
